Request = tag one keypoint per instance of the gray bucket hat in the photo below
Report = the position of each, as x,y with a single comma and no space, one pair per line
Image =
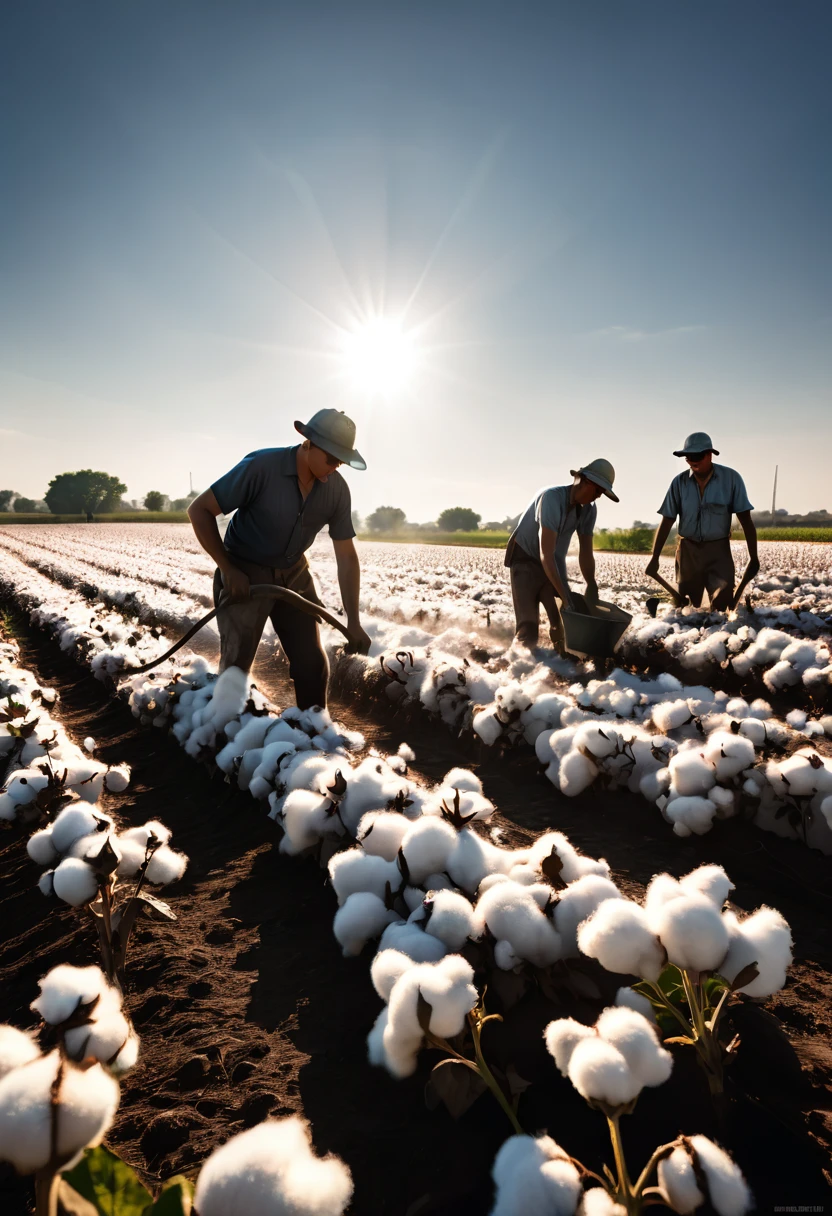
699,441
602,473
333,431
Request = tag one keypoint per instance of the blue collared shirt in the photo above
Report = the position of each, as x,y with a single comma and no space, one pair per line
551,508
706,516
273,525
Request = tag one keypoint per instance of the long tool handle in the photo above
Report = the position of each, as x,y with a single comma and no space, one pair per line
678,600
749,574
258,591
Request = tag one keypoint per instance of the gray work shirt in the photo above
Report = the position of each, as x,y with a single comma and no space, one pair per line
706,516
551,508
273,525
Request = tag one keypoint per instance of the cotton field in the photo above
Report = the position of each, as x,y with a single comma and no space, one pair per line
457,923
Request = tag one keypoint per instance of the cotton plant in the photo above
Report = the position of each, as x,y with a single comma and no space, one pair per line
104,871
692,955
85,1014
609,1064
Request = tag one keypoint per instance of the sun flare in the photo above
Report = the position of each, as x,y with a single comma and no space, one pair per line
380,356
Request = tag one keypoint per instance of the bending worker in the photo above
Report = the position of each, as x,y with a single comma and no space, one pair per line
704,498
282,498
537,548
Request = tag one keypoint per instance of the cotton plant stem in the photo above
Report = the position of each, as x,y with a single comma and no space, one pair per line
659,1155
671,1008
625,1194
706,1044
490,1080
47,1182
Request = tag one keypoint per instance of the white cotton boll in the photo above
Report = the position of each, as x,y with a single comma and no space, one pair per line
46,884
8,807
414,898
660,890
653,785
16,1049
73,822
230,693
375,1039
411,940
381,833
452,919
361,917
636,1038
826,810
354,870
427,847
764,938
64,988
729,754
576,774
728,1189
577,902
710,881
534,1177
753,729
543,748
117,779
690,773
628,998
272,1170
41,849
575,864
307,816
562,1037
89,847
386,968
796,719
74,882
598,1202
692,932
600,1073
406,752
23,788
89,744
166,866
87,1103
724,799
462,779
512,914
619,937
798,775
669,715
781,675
106,1036
473,857
600,741
487,725
448,987
690,815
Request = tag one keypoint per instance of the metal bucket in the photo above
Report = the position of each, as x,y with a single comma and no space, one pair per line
596,631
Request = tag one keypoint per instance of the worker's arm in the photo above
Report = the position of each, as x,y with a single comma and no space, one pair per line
203,513
349,580
586,561
662,533
749,528
548,540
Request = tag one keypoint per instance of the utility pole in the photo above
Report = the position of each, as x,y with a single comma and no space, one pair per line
192,485
774,493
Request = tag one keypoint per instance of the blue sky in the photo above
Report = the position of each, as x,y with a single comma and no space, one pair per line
603,224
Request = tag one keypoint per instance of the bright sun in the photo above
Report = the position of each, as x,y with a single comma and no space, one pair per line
380,356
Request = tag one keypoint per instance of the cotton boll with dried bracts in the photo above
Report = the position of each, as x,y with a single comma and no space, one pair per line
692,931
427,847
264,775
729,754
628,998
73,822
272,1170
447,987
371,786
512,914
576,773
576,903
228,698
381,833
614,1060
669,715
653,785
41,849
803,774
543,715
450,917
708,880
361,917
763,938
619,936
64,988
74,882
698,1158
17,1048
166,866
487,725
598,1202
413,941
533,1176
143,833
574,864
691,773
636,1037
690,815
85,1101
473,858
106,1036
307,816
117,778
354,870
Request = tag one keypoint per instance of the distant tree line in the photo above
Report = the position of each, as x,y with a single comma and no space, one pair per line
89,492
452,519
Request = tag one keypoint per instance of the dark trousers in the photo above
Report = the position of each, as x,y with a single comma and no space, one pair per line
241,627
531,587
705,566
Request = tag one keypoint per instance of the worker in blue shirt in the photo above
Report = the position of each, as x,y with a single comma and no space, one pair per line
704,499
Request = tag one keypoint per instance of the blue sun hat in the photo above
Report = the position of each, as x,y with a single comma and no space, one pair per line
699,441
334,432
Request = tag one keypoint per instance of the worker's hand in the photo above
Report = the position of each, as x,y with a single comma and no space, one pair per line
753,568
360,641
652,567
235,584
591,594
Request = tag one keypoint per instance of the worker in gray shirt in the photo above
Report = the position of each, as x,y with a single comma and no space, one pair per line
537,548
704,499
282,498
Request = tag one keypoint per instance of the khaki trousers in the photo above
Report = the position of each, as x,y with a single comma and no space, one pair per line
241,627
531,587
705,566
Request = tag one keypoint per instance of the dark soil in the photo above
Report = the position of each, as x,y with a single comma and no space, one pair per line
246,1008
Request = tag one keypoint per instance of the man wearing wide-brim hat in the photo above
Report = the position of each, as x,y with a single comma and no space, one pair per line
537,548
704,499
281,499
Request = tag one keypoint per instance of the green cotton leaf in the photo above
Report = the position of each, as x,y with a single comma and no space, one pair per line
176,1199
712,990
670,982
109,1183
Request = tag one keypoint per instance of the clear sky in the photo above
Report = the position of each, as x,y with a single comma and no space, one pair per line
599,225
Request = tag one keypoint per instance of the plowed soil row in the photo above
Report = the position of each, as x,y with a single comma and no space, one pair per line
247,1009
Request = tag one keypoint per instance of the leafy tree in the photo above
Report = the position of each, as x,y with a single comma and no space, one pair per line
24,505
386,519
357,521
459,519
182,504
154,500
6,497
86,490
